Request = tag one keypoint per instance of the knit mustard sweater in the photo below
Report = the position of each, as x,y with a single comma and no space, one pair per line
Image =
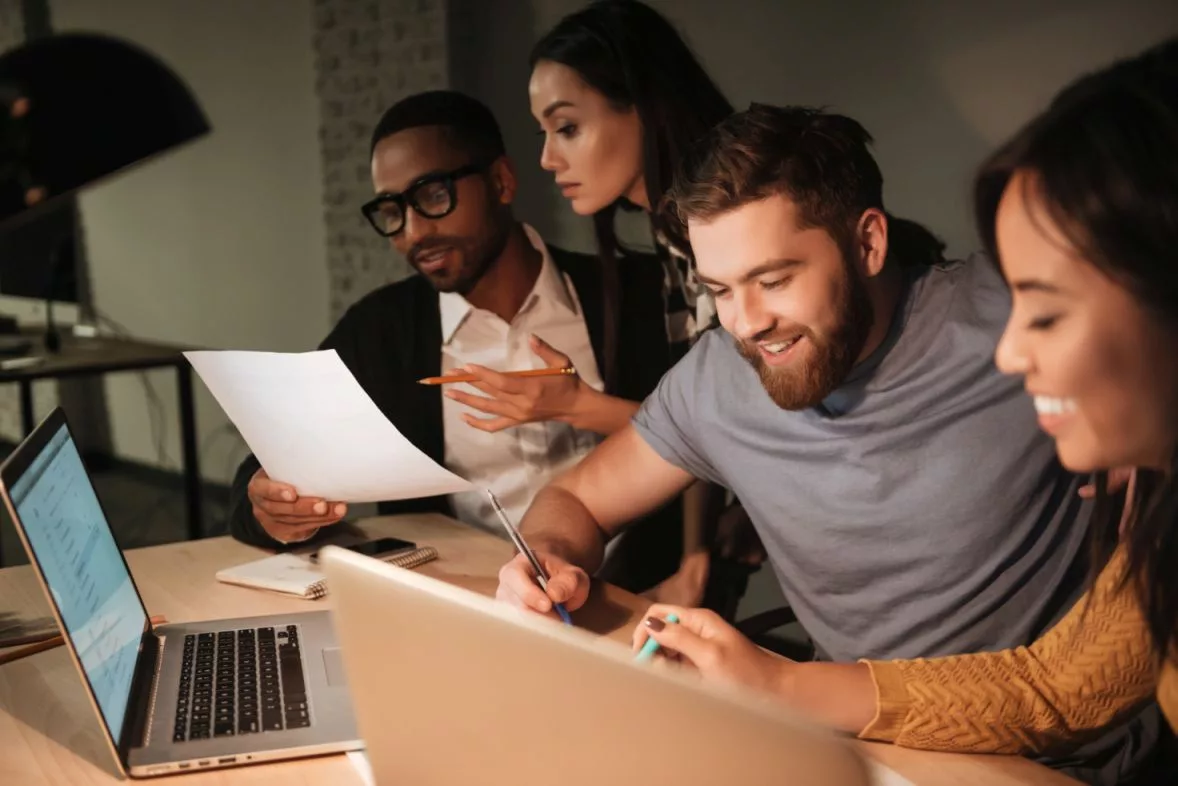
1093,668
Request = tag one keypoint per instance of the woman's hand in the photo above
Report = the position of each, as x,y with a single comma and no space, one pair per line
841,695
716,649
513,401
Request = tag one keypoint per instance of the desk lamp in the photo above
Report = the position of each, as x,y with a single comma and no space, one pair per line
74,109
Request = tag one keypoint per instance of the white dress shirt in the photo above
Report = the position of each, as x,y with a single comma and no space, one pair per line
516,462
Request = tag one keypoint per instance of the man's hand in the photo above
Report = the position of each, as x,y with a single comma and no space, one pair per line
567,584
514,401
284,515
716,649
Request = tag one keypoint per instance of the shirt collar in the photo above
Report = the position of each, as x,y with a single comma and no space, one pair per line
853,389
455,309
550,286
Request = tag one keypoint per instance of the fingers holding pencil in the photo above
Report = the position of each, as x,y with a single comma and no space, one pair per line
512,398
456,376
556,364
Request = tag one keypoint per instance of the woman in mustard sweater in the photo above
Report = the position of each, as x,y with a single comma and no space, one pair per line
1080,209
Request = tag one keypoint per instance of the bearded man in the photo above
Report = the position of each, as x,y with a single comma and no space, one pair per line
908,503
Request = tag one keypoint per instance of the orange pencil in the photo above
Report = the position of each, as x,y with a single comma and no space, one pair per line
568,371
33,644
30,649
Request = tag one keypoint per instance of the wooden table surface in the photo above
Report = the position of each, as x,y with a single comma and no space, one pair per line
49,734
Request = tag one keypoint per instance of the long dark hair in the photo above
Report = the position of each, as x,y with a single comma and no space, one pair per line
1104,164
634,57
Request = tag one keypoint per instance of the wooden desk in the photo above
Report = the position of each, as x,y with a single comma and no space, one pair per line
49,735
108,355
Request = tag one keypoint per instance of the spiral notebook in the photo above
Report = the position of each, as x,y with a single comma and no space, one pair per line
293,574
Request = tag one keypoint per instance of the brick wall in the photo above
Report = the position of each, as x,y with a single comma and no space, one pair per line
369,54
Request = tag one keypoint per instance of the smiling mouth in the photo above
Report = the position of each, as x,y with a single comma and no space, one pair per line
1054,413
777,353
429,261
779,347
1054,407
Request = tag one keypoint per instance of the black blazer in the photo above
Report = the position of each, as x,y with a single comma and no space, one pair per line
393,337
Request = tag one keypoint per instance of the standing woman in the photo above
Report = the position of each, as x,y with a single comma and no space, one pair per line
620,98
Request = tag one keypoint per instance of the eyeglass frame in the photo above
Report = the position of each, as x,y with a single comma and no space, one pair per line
405,199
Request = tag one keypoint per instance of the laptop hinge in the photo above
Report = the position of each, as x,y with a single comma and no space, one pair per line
135,722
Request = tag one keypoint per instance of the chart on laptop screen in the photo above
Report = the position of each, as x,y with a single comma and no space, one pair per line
87,578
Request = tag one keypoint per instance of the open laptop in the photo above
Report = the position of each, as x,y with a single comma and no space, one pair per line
459,688
180,697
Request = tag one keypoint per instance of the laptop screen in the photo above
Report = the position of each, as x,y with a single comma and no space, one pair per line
84,570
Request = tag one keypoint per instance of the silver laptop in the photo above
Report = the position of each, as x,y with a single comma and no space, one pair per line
460,689
181,697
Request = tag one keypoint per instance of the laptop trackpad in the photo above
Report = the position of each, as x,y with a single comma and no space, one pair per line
334,665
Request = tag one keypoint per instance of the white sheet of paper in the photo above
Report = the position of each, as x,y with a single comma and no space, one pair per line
310,424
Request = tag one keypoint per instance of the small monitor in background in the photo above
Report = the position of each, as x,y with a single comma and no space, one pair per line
28,265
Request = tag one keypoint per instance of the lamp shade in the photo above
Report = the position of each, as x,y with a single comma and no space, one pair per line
77,107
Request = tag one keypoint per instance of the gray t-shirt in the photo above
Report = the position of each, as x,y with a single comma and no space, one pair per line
919,511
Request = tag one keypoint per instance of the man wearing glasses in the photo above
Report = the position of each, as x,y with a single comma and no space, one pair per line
488,296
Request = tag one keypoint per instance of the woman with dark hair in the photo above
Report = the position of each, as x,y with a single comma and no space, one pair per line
1080,209
620,98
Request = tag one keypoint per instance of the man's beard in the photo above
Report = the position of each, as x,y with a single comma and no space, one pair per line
476,261
806,382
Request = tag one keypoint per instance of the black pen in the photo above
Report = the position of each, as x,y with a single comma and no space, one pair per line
517,539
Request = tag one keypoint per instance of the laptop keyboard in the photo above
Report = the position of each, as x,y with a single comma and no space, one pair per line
241,682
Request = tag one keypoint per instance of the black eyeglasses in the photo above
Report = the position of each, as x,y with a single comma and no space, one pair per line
432,196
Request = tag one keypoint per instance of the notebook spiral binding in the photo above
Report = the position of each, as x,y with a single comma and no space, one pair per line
410,559
291,574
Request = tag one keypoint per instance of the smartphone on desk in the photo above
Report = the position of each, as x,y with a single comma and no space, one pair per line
379,548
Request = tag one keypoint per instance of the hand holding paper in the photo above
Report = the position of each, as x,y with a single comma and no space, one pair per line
311,425
286,516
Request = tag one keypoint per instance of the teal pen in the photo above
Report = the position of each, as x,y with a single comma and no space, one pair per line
651,646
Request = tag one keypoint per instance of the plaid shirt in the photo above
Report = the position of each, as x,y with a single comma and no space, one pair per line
689,306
